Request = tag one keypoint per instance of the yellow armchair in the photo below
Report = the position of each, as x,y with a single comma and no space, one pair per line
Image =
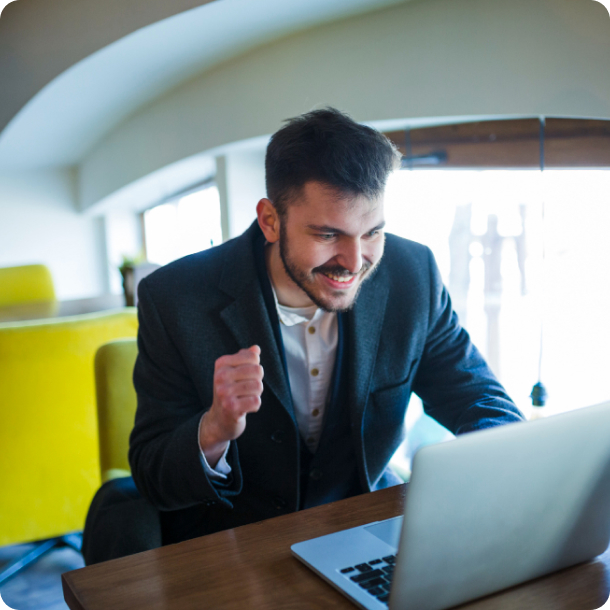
120,520
49,463
25,284
116,405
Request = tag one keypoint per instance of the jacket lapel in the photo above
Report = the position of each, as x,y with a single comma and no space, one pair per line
247,317
365,321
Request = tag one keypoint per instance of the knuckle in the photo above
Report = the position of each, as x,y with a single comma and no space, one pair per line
224,376
222,400
223,393
220,362
231,402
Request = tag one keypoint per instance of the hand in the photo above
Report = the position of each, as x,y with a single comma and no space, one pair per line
238,385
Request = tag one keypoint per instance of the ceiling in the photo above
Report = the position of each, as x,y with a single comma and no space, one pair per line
65,117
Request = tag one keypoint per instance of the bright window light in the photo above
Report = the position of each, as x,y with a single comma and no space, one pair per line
520,250
185,226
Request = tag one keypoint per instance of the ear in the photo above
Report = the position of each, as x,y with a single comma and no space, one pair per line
268,220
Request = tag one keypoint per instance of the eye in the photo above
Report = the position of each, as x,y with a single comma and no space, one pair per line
327,236
373,233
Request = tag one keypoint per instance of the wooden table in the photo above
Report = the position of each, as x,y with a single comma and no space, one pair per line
252,567
59,309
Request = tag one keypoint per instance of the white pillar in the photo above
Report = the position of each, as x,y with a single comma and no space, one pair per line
240,177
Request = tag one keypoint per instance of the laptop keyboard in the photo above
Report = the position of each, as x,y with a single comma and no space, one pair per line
375,576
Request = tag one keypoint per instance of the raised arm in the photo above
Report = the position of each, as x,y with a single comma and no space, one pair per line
453,380
166,442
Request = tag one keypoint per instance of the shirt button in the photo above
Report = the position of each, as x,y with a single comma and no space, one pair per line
315,412
311,330
315,372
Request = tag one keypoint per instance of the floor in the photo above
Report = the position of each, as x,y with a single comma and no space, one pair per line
38,587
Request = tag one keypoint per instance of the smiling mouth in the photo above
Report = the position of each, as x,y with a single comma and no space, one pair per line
341,276
342,279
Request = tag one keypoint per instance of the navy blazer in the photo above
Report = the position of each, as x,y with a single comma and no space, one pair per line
401,336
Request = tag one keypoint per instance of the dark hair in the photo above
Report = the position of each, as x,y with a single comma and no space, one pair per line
327,146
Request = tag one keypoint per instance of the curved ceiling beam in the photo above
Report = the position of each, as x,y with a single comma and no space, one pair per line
68,116
40,39
447,58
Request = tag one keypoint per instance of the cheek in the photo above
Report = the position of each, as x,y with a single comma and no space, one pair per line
374,251
320,256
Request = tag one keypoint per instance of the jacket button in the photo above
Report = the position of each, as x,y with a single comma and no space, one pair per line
315,474
279,502
277,436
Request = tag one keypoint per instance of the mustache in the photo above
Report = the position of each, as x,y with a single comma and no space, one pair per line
342,271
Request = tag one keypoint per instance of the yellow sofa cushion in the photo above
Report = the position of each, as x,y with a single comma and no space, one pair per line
25,284
116,404
49,463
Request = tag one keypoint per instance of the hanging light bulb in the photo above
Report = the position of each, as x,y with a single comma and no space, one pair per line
539,393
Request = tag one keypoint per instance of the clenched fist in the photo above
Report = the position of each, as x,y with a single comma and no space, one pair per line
238,385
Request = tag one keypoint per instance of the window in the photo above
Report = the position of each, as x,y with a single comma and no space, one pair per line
513,274
524,253
183,226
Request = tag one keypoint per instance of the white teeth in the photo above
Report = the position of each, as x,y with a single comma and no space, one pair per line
339,278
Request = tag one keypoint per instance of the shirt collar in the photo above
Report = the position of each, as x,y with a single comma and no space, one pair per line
291,316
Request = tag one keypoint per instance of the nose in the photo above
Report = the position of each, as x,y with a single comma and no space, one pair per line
350,256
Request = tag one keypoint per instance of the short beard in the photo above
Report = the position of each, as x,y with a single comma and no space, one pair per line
301,279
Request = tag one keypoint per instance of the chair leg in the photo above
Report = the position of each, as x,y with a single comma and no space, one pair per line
74,541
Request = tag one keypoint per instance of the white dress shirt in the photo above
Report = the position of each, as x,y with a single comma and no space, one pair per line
310,338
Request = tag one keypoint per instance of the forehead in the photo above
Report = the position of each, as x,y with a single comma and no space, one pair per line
320,204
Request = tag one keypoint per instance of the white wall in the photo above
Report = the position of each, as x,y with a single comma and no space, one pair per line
123,233
426,58
241,184
39,223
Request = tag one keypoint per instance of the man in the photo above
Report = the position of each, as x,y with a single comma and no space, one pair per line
274,371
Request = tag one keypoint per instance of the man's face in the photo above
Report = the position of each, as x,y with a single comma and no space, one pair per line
330,243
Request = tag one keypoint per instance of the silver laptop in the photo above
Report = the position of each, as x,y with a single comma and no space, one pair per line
483,512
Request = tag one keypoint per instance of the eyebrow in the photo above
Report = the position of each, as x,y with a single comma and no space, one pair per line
327,229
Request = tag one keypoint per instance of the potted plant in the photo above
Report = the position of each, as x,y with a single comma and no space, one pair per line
127,271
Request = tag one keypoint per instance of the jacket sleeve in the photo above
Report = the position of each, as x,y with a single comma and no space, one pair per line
164,449
456,385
